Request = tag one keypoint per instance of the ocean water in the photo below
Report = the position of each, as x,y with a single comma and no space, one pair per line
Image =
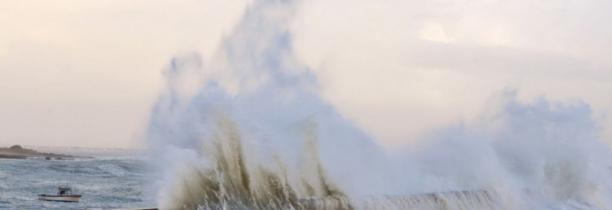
104,183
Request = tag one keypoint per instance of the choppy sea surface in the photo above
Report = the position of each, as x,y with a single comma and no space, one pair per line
104,181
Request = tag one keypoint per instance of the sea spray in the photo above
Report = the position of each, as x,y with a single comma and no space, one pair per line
537,155
253,139
247,129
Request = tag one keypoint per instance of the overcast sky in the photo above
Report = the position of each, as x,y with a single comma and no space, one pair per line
86,73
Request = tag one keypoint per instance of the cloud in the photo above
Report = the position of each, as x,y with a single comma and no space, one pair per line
403,68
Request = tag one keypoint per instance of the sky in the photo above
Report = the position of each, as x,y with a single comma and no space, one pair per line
86,73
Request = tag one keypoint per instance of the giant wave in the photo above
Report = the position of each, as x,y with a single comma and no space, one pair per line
247,129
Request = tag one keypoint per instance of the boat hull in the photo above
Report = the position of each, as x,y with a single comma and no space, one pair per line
57,198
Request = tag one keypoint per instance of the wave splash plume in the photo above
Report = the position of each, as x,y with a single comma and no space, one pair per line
247,129
230,183
249,134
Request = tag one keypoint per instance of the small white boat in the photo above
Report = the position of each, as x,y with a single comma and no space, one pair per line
64,194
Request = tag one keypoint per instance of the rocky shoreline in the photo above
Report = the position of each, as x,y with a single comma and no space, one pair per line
18,152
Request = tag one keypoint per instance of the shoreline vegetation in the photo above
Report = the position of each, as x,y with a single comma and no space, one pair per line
19,152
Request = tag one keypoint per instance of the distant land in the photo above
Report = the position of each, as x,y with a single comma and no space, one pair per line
18,152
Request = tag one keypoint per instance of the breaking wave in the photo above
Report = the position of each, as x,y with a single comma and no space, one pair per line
247,129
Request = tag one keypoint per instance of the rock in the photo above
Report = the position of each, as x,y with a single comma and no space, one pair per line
16,147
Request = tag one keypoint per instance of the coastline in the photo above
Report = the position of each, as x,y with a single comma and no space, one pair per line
18,152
